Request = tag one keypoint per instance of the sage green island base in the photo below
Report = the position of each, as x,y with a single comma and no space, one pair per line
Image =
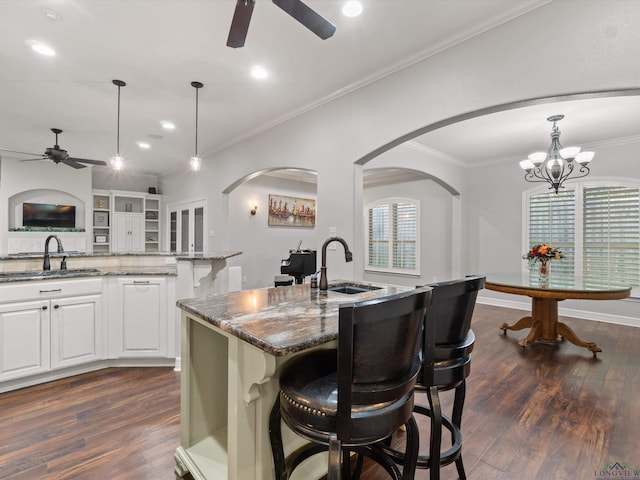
233,346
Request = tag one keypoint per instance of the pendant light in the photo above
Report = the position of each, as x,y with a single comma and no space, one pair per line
195,162
117,162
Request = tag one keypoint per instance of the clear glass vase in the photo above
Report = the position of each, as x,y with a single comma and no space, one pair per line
543,273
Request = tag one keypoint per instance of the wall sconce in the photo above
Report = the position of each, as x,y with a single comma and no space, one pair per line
254,209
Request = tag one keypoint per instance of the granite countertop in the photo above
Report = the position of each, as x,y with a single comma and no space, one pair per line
221,255
279,320
216,255
87,272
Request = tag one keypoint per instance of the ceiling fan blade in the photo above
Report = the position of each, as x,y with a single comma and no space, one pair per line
23,153
33,159
307,17
84,160
71,163
240,23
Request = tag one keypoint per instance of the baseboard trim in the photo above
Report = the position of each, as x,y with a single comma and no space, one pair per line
29,381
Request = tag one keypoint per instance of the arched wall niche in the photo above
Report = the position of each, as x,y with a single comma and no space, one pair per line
47,196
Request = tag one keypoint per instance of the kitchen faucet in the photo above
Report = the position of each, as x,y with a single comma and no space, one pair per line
348,256
46,265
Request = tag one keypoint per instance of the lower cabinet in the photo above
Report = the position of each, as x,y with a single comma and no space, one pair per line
142,317
76,330
24,339
52,332
50,329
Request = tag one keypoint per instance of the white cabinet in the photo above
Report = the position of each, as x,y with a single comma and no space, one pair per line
152,223
141,320
49,325
76,330
128,232
125,222
24,339
101,212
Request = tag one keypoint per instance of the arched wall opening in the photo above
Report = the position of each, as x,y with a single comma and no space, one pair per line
264,246
460,185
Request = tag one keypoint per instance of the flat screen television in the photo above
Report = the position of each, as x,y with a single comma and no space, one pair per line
48,215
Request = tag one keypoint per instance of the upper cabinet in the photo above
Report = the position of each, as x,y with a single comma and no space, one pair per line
127,222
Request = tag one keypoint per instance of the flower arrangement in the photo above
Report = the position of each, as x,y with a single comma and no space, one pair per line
543,253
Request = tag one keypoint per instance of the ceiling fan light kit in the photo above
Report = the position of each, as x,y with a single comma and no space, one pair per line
295,8
558,163
117,161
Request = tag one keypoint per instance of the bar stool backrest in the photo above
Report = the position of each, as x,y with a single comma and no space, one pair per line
448,319
378,351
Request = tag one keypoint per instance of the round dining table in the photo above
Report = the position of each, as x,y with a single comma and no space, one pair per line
543,321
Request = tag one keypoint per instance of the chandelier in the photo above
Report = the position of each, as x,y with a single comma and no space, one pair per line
558,164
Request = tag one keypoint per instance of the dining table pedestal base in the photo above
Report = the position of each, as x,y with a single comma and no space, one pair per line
545,327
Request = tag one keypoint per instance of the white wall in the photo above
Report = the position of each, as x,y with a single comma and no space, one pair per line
109,179
507,64
262,246
435,230
44,179
495,217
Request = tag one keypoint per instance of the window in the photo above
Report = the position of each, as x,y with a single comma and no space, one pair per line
552,221
597,227
392,236
611,235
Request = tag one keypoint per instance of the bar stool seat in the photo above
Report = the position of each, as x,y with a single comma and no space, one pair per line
348,400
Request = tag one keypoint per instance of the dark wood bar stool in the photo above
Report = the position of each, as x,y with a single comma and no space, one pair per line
446,363
351,398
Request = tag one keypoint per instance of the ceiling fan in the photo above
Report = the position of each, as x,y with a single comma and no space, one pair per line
298,10
58,155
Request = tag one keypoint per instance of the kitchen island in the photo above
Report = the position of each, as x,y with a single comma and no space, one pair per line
232,348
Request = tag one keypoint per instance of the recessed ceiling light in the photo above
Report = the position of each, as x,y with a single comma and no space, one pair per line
42,49
168,125
51,15
352,8
144,145
259,72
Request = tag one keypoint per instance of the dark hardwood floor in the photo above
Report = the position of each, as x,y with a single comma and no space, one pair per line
547,412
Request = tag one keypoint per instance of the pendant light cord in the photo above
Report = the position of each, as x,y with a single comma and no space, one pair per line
197,86
118,127
197,121
119,84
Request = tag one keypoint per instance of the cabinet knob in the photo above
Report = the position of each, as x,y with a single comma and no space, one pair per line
44,307
56,306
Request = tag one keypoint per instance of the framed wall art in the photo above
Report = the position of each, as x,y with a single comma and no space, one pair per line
285,211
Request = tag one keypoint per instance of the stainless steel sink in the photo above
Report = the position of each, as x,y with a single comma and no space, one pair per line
351,288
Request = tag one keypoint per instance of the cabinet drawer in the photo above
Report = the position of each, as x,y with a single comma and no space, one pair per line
36,289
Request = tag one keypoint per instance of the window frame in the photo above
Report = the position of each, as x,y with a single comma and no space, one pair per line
578,188
389,202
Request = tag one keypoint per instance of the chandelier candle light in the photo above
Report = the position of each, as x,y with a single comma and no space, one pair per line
558,164
541,255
